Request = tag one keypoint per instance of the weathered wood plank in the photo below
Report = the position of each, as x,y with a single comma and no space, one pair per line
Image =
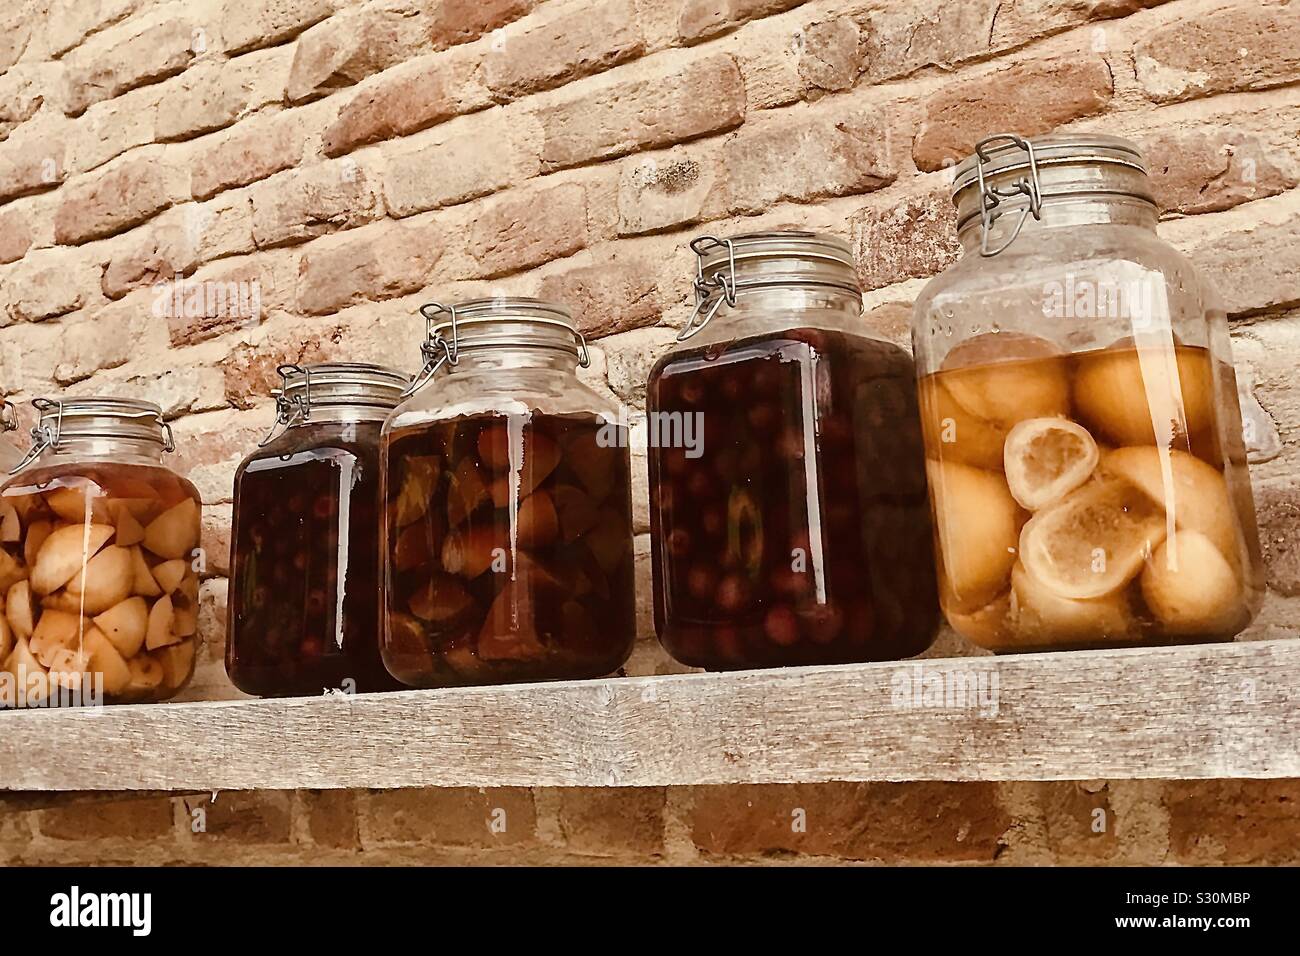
1230,710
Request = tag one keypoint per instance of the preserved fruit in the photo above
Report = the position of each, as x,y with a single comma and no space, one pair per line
795,530
99,565
304,611
507,512
1087,470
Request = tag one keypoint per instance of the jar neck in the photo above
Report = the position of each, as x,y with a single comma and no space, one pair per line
781,307
1061,213
118,450
343,414
472,361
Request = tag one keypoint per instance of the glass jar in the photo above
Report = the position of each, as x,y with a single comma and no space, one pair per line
507,527
304,585
787,478
1083,432
99,559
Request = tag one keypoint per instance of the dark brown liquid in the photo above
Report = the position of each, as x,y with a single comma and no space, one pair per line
304,590
508,550
800,535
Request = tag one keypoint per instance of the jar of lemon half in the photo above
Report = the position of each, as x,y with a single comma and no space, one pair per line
1084,442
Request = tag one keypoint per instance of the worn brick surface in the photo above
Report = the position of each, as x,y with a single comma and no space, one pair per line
247,24
460,21
125,59
452,816
375,263
701,19
802,159
1031,98
911,236
1248,45
142,818
252,151
347,48
890,822
240,816
303,204
528,229
1210,170
31,165
587,39
15,235
608,820
453,169
705,96
396,104
112,201
608,297
665,190
1234,821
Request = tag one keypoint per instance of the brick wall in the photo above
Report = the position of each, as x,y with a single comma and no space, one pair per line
354,159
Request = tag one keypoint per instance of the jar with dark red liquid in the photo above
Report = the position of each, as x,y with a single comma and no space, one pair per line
507,523
304,585
1087,460
787,473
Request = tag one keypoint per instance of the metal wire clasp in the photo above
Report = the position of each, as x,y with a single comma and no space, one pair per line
44,434
434,343
993,196
289,411
705,286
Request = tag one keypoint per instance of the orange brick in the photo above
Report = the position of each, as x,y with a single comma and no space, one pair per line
1028,98
450,816
707,96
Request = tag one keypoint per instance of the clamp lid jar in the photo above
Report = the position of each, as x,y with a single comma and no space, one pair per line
303,608
1083,432
787,490
508,517
100,559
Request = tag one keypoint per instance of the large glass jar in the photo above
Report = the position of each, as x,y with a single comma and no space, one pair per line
1083,432
99,560
304,585
507,526
787,478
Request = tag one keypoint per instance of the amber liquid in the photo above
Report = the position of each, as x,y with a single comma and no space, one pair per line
800,534
304,590
508,542
100,579
1127,520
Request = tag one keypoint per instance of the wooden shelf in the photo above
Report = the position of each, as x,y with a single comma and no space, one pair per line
1227,710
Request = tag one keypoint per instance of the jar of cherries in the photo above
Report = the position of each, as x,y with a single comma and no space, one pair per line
787,475
507,517
99,560
304,584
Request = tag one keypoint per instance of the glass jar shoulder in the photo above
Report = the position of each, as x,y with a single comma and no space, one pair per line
1080,289
474,396
108,479
308,443
876,357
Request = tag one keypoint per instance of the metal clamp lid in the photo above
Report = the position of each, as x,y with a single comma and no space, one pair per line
763,260
992,196
94,418
724,282
1056,166
337,384
482,323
